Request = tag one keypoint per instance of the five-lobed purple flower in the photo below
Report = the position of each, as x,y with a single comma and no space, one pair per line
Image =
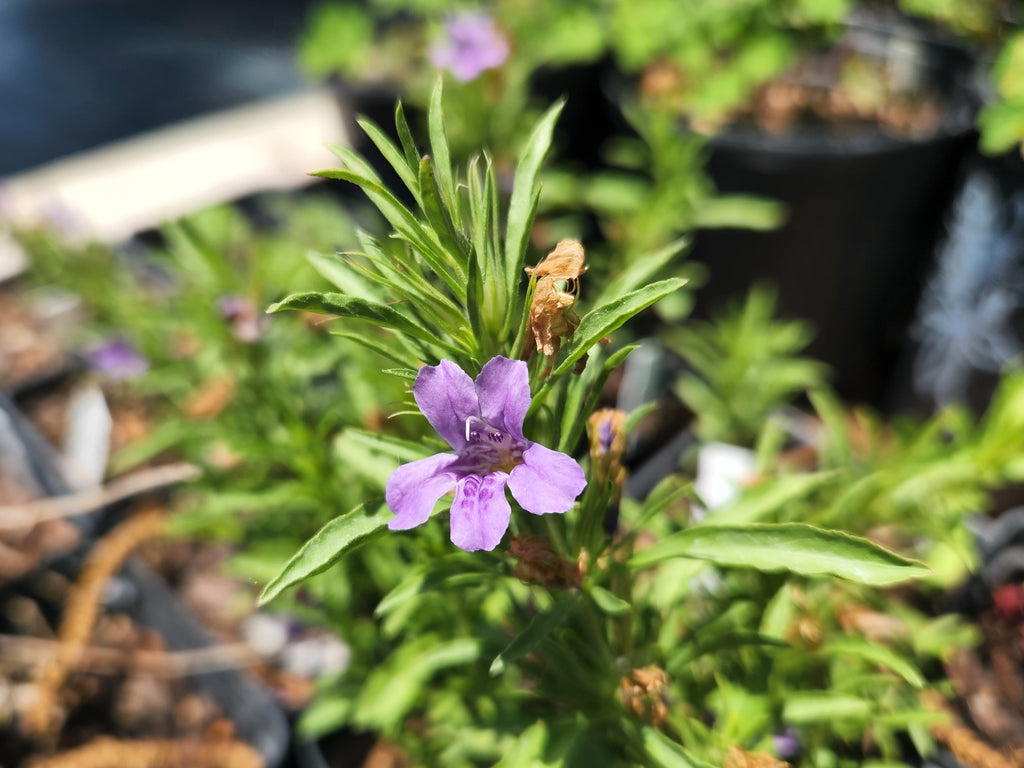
471,44
483,422
117,359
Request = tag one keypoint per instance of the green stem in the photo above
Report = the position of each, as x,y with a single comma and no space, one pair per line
556,535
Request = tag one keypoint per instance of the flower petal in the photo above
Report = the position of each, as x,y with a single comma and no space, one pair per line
503,389
447,397
414,488
480,511
546,481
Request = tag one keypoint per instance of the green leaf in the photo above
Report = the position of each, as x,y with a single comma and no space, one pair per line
412,154
340,275
357,309
770,497
666,753
876,654
406,450
439,149
824,707
1002,126
640,271
437,212
371,344
522,205
609,603
395,687
401,218
327,546
395,157
599,322
542,625
451,575
794,547
327,713
746,211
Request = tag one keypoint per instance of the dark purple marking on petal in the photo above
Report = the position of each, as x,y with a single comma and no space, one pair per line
480,512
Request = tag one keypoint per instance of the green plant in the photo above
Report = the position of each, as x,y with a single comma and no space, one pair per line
744,364
566,645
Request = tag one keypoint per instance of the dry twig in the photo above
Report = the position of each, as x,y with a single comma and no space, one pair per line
33,651
19,516
81,610
105,752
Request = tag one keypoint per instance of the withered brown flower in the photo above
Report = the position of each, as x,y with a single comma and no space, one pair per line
539,565
645,694
551,314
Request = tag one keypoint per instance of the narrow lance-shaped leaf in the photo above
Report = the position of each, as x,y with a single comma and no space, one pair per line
327,546
412,155
542,625
772,496
805,707
439,149
522,207
395,157
665,753
373,345
511,281
395,268
601,321
485,298
341,275
358,309
423,240
438,214
640,271
875,654
794,547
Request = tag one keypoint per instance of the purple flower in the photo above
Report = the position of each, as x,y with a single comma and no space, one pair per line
787,744
117,359
483,422
246,320
471,44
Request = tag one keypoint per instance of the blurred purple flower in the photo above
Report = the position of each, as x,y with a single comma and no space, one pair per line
471,44
483,422
787,744
117,359
246,319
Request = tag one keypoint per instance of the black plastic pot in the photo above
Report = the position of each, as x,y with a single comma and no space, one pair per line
257,718
864,211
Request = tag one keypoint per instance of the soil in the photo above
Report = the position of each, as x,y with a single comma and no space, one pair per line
122,684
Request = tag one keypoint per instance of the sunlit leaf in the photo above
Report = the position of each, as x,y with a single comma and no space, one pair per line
327,546
794,547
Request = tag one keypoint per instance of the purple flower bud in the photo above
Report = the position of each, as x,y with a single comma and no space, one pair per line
117,359
471,44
